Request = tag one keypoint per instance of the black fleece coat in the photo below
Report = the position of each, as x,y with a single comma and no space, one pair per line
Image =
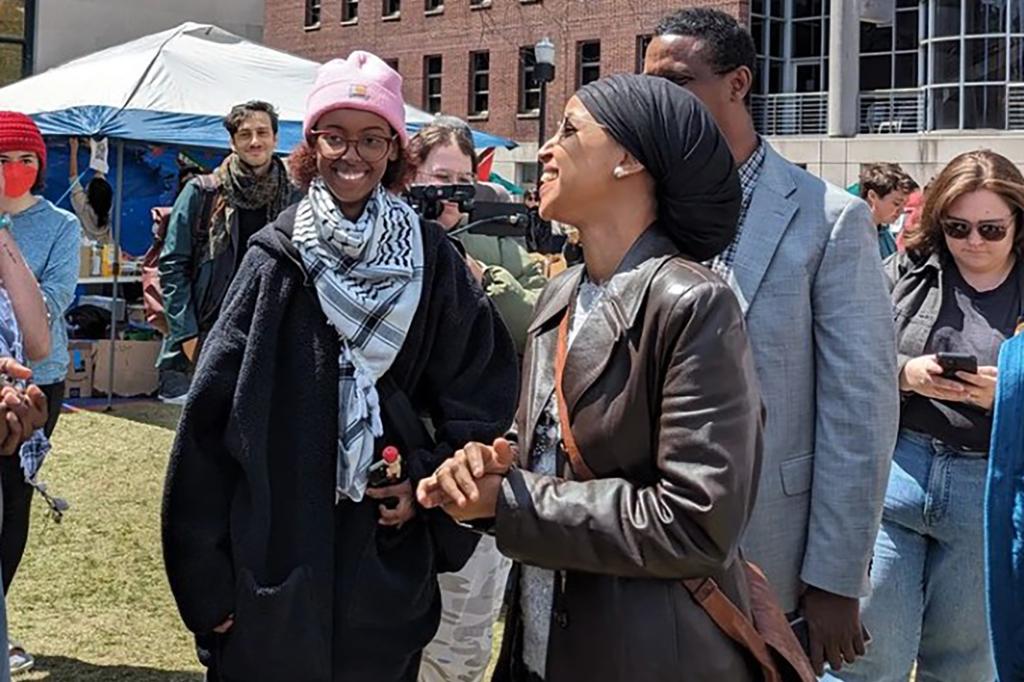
319,591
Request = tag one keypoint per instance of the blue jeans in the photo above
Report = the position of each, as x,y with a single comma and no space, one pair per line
927,602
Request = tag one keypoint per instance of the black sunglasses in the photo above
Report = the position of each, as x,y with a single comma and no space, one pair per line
990,231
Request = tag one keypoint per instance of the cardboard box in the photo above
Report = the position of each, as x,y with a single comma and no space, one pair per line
135,370
80,369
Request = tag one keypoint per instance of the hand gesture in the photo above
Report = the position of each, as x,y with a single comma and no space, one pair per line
923,376
980,387
403,511
455,481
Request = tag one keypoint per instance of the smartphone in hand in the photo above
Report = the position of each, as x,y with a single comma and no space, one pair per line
951,363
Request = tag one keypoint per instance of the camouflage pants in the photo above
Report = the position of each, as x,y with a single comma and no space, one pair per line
471,601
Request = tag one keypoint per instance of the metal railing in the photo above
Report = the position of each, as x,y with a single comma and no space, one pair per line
892,111
1015,106
797,113
881,112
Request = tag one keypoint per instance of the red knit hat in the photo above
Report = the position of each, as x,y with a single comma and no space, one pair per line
18,132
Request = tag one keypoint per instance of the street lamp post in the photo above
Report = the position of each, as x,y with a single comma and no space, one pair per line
544,73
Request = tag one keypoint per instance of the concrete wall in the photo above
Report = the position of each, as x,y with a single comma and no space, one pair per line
67,29
923,156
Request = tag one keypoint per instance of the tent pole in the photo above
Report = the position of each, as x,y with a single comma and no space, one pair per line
118,205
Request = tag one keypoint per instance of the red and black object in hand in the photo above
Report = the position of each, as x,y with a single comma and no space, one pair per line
387,471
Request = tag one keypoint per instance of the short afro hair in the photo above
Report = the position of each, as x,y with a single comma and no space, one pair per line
731,45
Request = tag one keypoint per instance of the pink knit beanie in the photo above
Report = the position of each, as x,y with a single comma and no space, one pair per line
364,82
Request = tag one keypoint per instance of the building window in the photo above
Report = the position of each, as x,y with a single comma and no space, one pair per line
889,54
479,83
529,88
17,31
312,13
976,52
393,63
392,8
642,43
349,11
526,174
434,6
479,3
432,68
588,62
768,27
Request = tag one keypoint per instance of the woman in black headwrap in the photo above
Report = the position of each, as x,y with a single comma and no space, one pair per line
639,424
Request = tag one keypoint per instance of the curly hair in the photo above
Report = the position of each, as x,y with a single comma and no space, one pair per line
302,168
970,172
885,178
240,112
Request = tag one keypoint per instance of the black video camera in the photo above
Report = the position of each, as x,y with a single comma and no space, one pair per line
428,200
494,218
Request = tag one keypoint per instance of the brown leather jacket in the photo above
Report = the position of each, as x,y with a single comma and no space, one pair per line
665,408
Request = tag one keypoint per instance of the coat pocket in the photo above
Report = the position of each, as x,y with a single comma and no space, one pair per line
277,634
395,583
797,474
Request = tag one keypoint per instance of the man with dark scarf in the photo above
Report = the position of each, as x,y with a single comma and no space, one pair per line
209,229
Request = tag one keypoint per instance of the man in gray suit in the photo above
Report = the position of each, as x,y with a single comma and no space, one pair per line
806,271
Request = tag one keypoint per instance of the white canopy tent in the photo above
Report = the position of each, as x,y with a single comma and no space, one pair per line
173,88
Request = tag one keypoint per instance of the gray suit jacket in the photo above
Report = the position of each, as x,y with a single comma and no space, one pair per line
809,279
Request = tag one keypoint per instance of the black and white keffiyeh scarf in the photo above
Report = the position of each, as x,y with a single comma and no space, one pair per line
368,276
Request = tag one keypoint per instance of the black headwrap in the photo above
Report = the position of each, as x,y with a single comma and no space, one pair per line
670,132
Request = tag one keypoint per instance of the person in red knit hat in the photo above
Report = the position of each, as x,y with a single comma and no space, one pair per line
48,238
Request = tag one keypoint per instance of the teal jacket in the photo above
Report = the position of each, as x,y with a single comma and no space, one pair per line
195,269
187,270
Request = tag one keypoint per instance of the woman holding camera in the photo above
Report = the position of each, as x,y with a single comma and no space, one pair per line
348,320
958,293
441,153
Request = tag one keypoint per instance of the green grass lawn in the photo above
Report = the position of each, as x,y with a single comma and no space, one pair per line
90,600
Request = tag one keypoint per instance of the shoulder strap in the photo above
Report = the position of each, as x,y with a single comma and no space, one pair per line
579,467
705,591
733,623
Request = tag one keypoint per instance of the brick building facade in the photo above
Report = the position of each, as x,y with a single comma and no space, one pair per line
482,45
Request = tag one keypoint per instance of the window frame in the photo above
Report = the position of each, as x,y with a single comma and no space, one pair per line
428,78
474,71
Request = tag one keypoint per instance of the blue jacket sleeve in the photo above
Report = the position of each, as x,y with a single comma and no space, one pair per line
60,277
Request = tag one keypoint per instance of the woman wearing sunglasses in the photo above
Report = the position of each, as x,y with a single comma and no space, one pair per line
349,318
958,289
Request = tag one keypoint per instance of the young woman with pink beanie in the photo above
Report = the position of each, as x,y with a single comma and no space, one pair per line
349,319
